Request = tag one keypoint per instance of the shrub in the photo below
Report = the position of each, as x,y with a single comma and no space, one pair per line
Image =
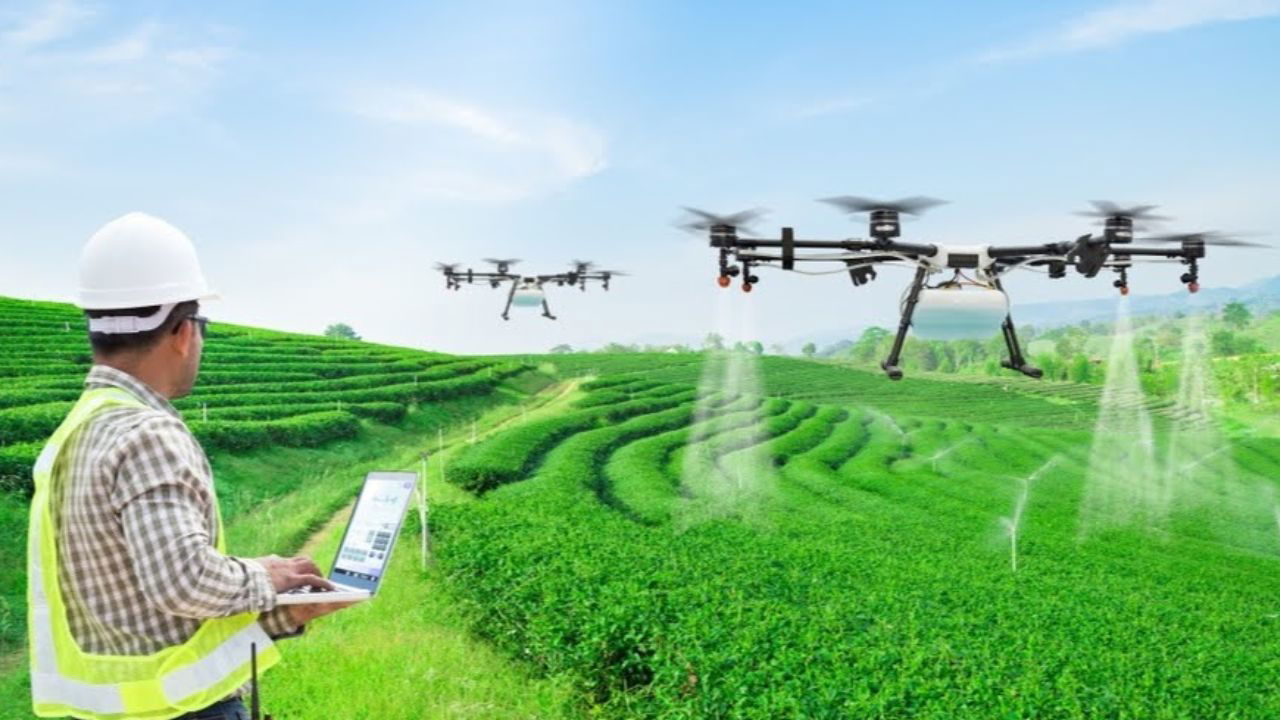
309,430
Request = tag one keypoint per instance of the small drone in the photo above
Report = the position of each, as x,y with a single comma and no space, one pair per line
960,307
526,290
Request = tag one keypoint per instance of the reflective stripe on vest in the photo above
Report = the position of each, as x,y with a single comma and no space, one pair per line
65,680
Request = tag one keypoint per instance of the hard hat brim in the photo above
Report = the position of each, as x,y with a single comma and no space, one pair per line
117,300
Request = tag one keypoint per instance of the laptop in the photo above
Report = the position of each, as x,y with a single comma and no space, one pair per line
367,543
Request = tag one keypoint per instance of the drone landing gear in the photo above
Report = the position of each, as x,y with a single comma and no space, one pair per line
1016,359
890,364
506,311
546,310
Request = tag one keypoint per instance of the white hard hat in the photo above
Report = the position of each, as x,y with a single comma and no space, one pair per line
138,260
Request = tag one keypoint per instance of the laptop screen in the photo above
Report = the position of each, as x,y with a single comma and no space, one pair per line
371,533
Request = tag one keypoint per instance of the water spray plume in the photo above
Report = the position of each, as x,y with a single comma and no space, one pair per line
892,424
1123,484
1013,523
1198,466
722,480
933,459
1276,511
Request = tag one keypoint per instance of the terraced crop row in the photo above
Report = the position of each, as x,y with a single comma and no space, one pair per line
256,388
780,558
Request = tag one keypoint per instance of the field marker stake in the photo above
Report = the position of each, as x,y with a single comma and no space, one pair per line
204,411
423,512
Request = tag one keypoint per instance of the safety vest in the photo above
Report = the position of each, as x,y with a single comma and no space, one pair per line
66,680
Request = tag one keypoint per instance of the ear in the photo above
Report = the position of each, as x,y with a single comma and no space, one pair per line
180,340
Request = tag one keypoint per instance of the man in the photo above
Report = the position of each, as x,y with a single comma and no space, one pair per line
136,610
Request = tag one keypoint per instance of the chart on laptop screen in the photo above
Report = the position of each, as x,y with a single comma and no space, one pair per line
373,528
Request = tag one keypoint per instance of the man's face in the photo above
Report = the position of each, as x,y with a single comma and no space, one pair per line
191,344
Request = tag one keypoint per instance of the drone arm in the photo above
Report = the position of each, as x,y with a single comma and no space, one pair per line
1014,252
735,242
1158,252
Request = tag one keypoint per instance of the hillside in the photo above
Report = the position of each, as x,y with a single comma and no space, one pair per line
725,535
795,540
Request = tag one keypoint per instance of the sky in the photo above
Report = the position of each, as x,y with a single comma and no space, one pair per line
324,156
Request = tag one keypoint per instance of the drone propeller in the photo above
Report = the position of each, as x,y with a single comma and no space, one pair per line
914,205
495,261
702,221
1107,209
448,268
581,266
613,273
1208,237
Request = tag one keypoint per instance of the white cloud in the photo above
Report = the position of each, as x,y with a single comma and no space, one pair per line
53,21
830,106
137,45
149,69
417,107
454,149
1119,23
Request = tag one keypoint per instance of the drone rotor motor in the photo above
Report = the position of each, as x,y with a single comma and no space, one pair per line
885,224
1118,229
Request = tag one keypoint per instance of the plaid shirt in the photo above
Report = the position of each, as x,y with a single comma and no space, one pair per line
136,524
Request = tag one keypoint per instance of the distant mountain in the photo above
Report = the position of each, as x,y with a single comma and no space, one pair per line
1261,295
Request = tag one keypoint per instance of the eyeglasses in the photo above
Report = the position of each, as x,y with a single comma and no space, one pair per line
202,324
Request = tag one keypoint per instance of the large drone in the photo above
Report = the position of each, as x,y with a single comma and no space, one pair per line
961,306
526,290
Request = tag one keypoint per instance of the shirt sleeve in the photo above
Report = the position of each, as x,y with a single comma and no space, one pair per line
164,500
278,625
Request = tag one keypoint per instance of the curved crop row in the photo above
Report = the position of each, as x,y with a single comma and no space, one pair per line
508,456
402,393
637,476
310,430
386,412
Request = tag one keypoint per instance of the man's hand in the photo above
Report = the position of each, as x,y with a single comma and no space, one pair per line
306,612
289,573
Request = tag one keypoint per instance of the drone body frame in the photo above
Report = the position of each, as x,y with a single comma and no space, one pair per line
1088,255
580,276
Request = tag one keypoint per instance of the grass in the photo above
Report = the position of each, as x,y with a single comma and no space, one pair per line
404,654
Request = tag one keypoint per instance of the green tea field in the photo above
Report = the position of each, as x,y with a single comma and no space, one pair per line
690,535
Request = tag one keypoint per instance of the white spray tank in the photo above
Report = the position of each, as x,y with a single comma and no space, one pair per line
528,294
959,312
